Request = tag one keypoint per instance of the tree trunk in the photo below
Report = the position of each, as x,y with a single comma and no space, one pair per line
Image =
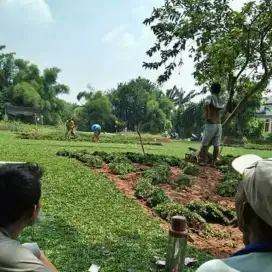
261,84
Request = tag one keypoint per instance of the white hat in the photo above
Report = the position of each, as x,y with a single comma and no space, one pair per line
257,184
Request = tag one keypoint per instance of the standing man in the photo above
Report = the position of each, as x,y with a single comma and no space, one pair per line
96,129
213,128
20,202
70,127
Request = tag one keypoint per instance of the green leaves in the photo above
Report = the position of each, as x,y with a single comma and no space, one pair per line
224,44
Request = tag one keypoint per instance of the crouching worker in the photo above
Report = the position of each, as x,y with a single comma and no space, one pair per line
96,129
70,128
254,218
20,202
213,128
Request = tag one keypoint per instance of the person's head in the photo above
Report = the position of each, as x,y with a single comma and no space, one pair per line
20,194
253,201
215,88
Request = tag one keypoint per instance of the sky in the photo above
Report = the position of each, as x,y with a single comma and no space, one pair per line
97,42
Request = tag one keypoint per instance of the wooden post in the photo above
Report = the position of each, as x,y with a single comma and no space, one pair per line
221,149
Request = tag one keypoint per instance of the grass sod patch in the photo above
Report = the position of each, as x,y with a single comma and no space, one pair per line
143,188
211,212
158,174
181,182
121,169
157,197
171,208
192,170
229,184
59,135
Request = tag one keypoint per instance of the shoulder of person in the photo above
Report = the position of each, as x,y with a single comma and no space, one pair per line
215,266
208,99
14,256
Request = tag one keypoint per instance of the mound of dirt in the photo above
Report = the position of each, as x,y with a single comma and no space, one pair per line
221,241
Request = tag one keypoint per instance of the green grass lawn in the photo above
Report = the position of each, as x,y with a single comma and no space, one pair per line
86,214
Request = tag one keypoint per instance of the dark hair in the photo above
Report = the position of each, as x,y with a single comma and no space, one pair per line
216,88
20,191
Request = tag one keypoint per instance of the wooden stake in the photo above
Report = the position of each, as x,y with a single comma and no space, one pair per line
139,133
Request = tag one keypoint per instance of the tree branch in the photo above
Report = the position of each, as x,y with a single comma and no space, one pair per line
261,84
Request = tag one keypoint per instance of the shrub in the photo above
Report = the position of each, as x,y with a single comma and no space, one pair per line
171,208
121,168
192,170
158,196
143,189
268,137
158,174
211,212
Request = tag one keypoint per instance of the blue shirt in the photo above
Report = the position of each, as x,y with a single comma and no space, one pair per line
95,128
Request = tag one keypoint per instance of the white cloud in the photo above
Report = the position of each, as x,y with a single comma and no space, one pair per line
128,40
35,11
113,34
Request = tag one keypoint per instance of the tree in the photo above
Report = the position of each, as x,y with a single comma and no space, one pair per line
22,84
140,102
129,101
96,110
190,120
226,45
179,97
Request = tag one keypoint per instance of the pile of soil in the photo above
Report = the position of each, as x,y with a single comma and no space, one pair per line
221,241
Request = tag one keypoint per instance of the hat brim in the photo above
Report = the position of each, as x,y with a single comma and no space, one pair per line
242,163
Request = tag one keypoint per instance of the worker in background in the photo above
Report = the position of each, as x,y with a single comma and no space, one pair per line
96,129
70,127
213,128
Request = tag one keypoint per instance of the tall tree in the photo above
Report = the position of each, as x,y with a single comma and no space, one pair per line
22,84
97,109
179,96
226,45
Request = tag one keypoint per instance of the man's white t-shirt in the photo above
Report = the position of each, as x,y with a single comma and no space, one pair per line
253,262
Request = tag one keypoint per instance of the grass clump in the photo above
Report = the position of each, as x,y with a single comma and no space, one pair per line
226,160
63,153
229,184
153,159
121,169
157,196
158,174
192,170
211,212
117,158
101,154
182,181
171,208
92,161
143,189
